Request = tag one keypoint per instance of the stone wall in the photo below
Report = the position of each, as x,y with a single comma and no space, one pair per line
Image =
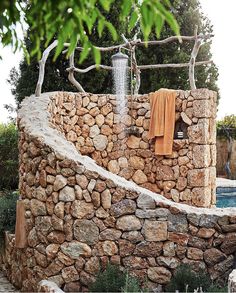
80,216
188,175
222,154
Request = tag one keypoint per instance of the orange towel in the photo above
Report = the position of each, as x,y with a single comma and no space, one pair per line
162,122
20,229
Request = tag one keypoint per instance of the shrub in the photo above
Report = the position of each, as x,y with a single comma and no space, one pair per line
112,279
186,280
215,288
7,213
227,127
8,156
131,284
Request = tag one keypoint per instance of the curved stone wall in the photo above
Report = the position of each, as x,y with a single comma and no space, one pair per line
81,216
91,123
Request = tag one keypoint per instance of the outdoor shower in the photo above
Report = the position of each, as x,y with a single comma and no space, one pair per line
120,77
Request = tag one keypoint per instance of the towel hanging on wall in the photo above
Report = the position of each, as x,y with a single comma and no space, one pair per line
162,121
20,229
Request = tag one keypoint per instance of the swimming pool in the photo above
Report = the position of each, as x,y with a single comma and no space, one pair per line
225,197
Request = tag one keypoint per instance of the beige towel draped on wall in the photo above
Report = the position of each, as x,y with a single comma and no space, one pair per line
162,121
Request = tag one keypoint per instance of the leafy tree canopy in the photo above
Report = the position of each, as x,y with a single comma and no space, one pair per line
188,14
8,156
73,21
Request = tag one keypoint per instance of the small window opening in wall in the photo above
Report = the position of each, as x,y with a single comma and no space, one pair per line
180,129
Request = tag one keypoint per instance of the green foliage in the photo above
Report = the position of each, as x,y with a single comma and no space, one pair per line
8,156
7,212
131,284
186,280
112,279
226,127
109,280
187,13
74,21
215,288
227,121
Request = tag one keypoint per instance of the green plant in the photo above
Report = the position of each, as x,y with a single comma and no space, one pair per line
183,277
112,279
73,21
131,284
227,127
7,212
109,280
216,288
188,13
186,280
8,156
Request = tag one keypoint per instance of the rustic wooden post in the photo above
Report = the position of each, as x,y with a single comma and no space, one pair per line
42,62
197,45
71,77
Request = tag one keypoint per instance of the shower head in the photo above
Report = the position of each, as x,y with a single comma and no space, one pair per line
119,56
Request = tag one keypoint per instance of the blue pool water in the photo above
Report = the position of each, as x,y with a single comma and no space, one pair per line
225,197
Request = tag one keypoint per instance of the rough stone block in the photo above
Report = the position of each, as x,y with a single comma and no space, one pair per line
212,131
195,253
202,108
201,94
177,223
198,177
213,256
146,202
123,207
201,156
213,155
128,223
148,249
199,133
159,275
86,231
201,196
155,230
76,249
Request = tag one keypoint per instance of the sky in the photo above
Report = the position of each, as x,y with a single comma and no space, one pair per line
222,16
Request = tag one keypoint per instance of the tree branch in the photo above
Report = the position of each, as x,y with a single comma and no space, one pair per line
42,67
141,67
71,74
196,47
141,43
172,65
80,70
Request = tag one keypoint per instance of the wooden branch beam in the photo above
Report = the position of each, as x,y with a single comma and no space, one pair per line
141,67
100,66
172,65
141,43
137,72
42,62
71,74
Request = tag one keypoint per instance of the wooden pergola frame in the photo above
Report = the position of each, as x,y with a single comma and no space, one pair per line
130,46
